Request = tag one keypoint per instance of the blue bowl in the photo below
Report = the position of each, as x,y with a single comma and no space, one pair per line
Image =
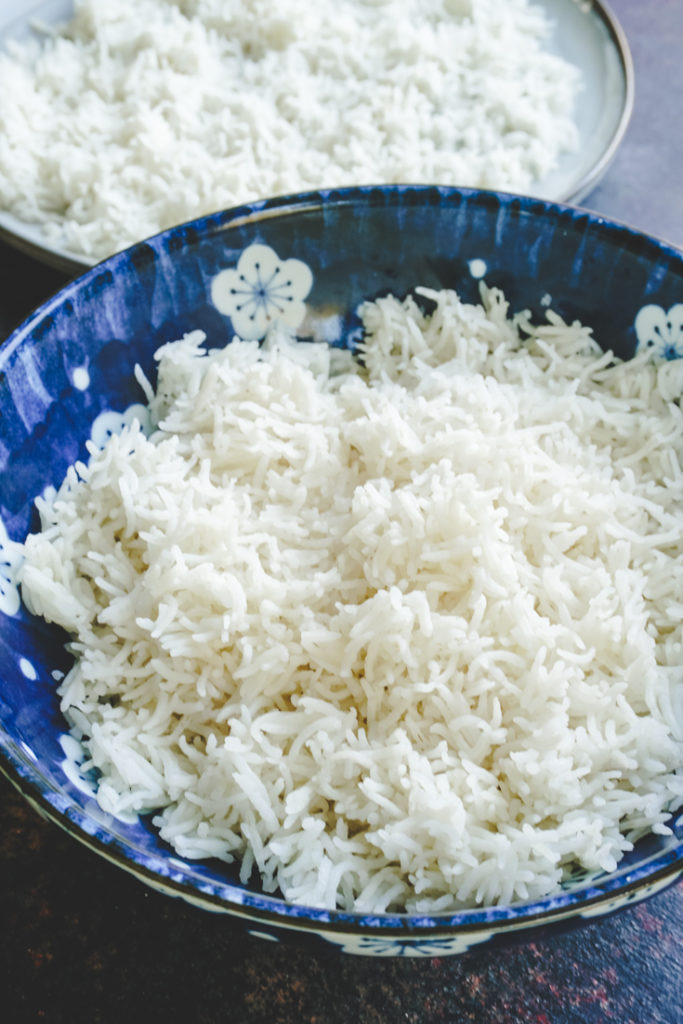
67,374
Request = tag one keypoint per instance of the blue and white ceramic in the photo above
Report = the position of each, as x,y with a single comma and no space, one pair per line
67,375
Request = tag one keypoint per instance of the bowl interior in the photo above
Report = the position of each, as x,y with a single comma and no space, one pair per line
74,360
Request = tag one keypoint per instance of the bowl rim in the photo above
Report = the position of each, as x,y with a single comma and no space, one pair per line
596,897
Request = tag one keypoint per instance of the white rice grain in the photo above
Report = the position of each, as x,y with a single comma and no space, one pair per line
140,114
412,642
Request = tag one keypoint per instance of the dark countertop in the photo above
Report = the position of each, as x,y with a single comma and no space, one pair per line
82,942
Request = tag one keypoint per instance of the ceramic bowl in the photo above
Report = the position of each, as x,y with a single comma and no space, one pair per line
67,374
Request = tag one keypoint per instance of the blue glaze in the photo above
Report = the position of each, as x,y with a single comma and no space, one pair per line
73,361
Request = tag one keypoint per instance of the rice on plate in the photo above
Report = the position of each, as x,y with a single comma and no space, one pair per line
141,114
401,633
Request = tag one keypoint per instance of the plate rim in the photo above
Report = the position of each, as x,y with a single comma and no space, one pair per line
605,13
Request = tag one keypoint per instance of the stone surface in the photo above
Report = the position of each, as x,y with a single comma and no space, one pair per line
83,942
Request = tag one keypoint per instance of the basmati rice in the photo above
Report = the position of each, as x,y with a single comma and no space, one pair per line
397,636
141,114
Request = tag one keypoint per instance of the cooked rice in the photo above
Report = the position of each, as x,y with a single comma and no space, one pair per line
405,636
141,114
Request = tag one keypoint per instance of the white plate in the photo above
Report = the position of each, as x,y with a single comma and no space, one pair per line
586,33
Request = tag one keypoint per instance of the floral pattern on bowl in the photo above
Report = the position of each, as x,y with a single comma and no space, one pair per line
10,560
660,331
262,290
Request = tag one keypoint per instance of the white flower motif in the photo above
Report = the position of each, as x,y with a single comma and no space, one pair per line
262,290
108,423
370,945
11,557
660,332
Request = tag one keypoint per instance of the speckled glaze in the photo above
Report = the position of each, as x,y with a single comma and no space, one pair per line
67,375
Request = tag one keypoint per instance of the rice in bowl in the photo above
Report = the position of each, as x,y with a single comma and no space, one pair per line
404,635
